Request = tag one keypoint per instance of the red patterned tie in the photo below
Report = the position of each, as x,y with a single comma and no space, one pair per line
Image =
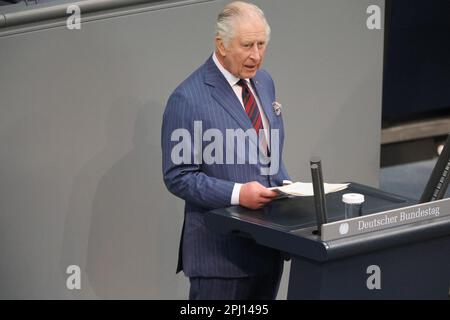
252,110
250,105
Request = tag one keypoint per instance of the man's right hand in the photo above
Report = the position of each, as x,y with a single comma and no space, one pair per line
254,195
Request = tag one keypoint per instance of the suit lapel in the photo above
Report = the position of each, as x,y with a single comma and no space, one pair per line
225,96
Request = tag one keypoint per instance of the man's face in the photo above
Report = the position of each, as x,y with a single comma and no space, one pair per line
245,52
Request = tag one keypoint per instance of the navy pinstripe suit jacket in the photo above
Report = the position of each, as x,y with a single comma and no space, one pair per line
206,96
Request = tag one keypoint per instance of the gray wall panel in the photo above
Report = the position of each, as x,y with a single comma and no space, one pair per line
80,116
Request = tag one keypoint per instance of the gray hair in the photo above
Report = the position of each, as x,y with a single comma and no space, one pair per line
238,9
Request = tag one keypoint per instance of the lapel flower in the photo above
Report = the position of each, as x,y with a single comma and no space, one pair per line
276,107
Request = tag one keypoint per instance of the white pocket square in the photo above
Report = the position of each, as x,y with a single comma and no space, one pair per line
277,107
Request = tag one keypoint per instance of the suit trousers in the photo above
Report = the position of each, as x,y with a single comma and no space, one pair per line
261,287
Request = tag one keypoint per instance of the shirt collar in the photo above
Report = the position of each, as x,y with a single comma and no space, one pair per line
232,80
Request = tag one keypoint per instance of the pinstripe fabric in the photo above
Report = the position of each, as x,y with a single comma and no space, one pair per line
207,97
264,287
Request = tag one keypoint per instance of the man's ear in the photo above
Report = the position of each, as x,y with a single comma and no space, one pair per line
221,47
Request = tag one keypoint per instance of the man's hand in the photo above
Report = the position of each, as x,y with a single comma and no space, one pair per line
254,195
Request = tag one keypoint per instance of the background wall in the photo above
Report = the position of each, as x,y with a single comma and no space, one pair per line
80,117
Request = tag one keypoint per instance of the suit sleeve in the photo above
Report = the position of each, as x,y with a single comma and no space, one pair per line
186,180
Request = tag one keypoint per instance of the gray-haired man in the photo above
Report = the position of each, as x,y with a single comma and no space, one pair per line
228,92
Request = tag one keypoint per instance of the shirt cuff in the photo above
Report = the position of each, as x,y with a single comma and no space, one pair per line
235,194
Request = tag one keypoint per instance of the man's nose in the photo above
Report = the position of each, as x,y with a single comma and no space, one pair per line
255,54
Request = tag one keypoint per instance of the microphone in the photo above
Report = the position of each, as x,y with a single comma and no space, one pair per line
439,178
319,193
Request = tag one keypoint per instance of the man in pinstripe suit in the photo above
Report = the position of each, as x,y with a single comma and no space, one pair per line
227,94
